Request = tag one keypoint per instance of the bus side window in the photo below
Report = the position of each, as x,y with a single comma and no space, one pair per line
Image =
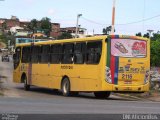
26,55
36,50
56,53
17,57
68,53
45,50
79,53
94,50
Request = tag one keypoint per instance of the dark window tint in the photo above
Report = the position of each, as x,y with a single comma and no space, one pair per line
36,50
56,53
68,53
26,55
17,57
79,53
45,50
93,52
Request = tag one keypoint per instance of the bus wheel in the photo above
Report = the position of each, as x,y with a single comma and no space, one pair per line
65,88
26,86
102,95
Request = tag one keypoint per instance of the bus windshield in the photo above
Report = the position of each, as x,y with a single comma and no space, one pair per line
129,48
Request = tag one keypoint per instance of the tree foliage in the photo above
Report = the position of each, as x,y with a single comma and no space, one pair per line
146,35
155,53
107,30
33,25
155,50
43,25
65,36
4,26
139,34
3,38
46,25
156,37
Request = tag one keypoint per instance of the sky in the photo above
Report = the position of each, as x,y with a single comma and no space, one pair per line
96,14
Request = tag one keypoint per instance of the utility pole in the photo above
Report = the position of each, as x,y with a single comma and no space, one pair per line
113,17
78,16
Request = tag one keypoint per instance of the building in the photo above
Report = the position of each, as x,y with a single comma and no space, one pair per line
14,21
55,30
24,24
16,29
72,31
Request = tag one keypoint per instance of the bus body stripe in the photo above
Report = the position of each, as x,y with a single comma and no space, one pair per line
108,52
112,68
116,70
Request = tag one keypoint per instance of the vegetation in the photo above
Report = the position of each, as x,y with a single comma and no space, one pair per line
4,26
155,49
139,34
3,39
65,36
46,25
107,30
33,25
43,25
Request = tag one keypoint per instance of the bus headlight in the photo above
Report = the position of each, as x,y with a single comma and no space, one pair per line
108,75
146,78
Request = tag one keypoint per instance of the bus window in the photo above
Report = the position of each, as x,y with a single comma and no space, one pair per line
35,54
26,55
68,53
93,52
79,53
17,57
56,53
45,54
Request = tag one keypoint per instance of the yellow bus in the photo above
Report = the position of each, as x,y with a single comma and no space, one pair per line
101,65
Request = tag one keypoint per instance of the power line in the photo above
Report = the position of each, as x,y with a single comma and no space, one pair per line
91,21
143,20
139,21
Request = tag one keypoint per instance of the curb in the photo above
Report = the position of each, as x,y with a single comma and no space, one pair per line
131,97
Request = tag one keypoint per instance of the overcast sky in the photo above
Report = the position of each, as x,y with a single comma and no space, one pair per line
96,13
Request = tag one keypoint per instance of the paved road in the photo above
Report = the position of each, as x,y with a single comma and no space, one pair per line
40,100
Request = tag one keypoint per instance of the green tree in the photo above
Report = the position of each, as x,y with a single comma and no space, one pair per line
156,37
107,30
3,38
146,35
33,25
139,34
46,25
155,50
65,36
4,26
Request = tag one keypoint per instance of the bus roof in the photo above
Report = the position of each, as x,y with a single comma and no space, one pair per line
65,41
83,39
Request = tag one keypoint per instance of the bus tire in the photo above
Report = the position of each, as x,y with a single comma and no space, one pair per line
102,95
65,88
26,86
